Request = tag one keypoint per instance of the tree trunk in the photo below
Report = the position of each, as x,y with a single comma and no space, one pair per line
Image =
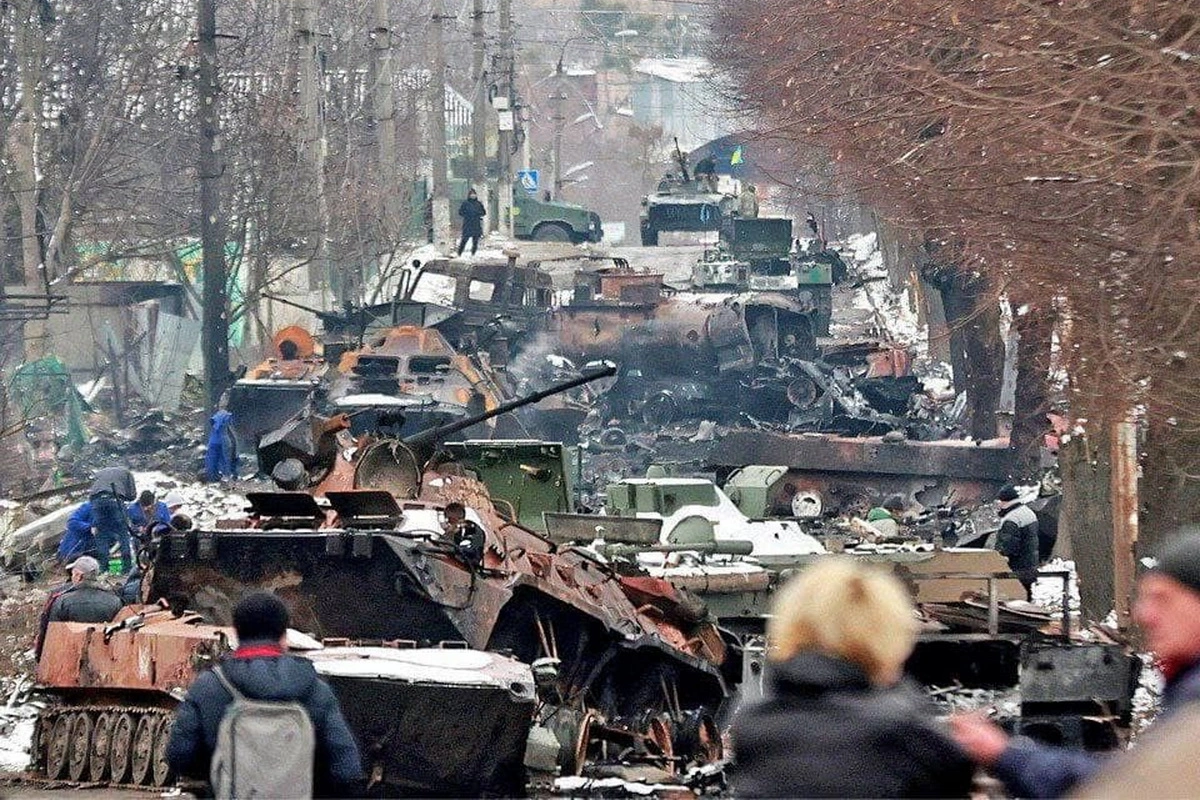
1086,520
1032,400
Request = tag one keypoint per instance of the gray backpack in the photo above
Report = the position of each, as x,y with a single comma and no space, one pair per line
264,749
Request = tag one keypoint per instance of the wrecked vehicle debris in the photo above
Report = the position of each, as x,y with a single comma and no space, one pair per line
111,717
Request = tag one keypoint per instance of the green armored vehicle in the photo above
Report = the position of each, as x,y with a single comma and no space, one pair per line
554,221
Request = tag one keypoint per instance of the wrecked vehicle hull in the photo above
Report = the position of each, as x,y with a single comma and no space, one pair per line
430,722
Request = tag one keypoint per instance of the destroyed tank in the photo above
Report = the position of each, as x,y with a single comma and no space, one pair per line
625,665
114,687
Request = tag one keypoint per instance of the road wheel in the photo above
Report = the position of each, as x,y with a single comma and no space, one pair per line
81,745
98,754
160,768
143,748
58,744
552,232
122,738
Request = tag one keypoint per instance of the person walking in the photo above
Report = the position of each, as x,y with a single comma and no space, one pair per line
260,670
220,455
836,719
1017,539
1167,608
472,213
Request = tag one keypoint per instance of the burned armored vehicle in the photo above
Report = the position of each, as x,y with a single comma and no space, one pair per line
113,689
368,552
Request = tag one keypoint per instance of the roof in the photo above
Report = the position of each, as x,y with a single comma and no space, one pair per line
692,69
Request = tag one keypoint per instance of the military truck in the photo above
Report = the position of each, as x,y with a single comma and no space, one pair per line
554,221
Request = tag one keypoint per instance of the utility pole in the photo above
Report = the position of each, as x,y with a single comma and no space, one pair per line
559,95
312,144
507,70
383,104
479,116
437,138
214,336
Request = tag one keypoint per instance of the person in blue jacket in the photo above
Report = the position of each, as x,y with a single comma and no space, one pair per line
220,459
94,528
146,510
1167,608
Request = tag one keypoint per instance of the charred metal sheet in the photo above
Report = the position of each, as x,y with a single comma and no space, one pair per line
571,528
1101,677
950,458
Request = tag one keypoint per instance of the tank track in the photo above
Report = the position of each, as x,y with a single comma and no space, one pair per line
118,746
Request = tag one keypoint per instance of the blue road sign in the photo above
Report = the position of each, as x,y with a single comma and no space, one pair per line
528,179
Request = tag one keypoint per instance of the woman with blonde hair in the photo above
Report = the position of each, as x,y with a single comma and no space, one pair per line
836,720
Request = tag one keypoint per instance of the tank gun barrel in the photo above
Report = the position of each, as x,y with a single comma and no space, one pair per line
433,434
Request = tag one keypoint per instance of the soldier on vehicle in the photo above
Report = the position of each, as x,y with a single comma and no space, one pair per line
748,202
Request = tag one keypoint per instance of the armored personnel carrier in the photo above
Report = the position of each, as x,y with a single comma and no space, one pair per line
683,203
368,551
429,721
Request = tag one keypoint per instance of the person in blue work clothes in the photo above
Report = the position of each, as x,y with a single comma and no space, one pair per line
146,510
220,459
95,528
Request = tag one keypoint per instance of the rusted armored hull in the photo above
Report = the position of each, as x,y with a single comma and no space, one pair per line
384,586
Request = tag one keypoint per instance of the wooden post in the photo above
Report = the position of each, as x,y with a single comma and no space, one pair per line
1124,515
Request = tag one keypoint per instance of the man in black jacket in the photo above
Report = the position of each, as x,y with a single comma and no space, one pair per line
472,213
1017,539
261,670
84,599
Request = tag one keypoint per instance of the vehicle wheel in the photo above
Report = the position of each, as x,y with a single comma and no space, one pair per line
143,748
58,743
552,232
160,768
101,739
81,745
122,737
660,410
649,236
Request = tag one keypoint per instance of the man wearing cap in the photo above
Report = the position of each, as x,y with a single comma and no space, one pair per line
1017,539
84,600
1167,608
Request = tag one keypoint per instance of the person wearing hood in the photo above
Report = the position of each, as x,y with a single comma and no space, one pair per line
261,670
472,213
1017,539
836,720
220,457
1167,608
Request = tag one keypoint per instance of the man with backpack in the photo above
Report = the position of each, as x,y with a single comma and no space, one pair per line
262,723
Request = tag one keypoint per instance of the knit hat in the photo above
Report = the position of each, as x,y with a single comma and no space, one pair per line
1179,558
876,514
1007,493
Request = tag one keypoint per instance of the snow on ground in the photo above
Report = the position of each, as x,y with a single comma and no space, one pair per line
890,311
17,717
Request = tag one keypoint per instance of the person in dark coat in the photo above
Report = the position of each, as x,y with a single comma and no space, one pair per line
95,528
1017,539
84,599
836,720
472,213
261,670
1167,608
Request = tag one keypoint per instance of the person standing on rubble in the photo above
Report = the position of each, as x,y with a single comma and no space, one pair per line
95,528
836,720
1017,539
1167,608
260,669
472,213
220,457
